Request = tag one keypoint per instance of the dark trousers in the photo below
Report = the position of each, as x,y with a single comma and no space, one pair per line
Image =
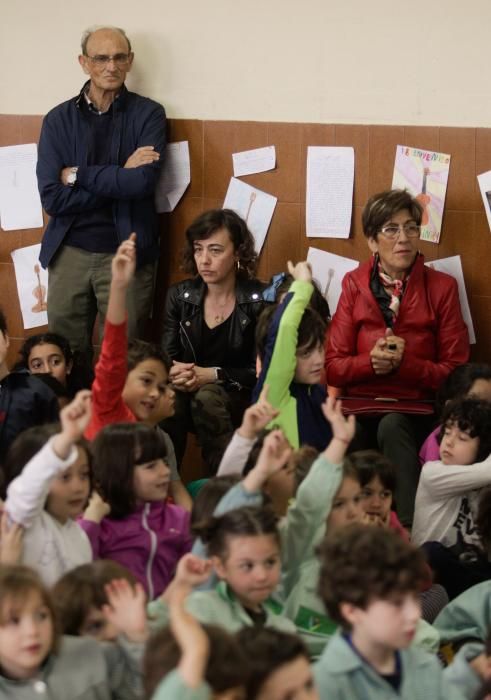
212,413
399,437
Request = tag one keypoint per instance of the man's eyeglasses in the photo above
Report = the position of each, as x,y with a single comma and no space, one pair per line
120,59
392,231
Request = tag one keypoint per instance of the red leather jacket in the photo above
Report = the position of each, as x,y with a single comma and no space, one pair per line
429,320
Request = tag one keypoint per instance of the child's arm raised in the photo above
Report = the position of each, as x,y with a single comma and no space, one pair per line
306,517
280,357
255,419
26,495
112,366
122,272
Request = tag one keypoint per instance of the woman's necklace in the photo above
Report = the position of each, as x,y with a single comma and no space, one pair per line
219,312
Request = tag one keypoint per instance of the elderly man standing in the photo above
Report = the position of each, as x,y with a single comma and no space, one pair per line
100,155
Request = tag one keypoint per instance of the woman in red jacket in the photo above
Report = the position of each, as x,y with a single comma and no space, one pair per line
397,333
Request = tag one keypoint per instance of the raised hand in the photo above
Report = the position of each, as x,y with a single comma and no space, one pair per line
97,508
257,416
124,262
192,571
126,609
300,271
274,455
144,155
342,428
74,418
11,540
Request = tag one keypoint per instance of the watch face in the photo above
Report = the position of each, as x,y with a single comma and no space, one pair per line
72,178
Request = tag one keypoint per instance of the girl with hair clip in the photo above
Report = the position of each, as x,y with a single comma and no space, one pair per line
51,492
129,519
244,550
37,661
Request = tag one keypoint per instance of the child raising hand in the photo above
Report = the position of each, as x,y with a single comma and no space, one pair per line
51,492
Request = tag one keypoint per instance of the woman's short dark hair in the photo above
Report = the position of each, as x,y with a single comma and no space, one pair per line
459,382
383,206
369,463
209,223
267,650
226,667
364,563
472,416
116,451
241,522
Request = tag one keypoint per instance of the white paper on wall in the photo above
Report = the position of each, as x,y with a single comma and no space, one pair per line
32,286
453,266
174,177
330,178
484,181
20,204
254,206
328,270
258,160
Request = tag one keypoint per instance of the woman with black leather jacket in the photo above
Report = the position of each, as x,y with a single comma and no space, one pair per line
209,329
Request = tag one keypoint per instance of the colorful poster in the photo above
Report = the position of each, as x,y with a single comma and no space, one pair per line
424,174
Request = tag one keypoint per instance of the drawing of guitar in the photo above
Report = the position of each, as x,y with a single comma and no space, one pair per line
39,293
424,199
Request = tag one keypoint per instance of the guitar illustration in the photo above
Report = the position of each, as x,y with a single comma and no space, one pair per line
39,293
424,199
252,198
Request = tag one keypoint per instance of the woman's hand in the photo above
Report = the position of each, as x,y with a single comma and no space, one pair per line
387,353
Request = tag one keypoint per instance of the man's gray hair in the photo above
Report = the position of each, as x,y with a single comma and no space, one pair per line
88,33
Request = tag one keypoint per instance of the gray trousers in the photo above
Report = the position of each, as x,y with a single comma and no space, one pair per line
78,290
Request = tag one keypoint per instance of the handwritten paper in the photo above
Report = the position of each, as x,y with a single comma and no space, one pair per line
20,205
256,161
484,181
174,178
424,174
254,206
32,286
330,176
453,266
328,270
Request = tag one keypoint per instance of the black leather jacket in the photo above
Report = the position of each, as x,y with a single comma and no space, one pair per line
182,338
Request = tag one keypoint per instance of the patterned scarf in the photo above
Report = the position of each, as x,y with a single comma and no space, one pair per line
387,291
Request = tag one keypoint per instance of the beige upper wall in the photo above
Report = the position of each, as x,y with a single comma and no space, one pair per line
351,61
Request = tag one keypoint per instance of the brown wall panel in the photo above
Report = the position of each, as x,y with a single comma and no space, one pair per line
465,229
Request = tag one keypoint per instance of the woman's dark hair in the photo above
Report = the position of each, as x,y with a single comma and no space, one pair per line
383,206
209,223
472,416
140,350
209,496
83,588
267,650
459,382
369,463
226,668
241,522
116,451
28,443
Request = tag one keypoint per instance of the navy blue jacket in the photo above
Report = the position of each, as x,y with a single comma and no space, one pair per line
64,142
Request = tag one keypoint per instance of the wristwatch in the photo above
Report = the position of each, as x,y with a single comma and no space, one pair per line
72,177
219,375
